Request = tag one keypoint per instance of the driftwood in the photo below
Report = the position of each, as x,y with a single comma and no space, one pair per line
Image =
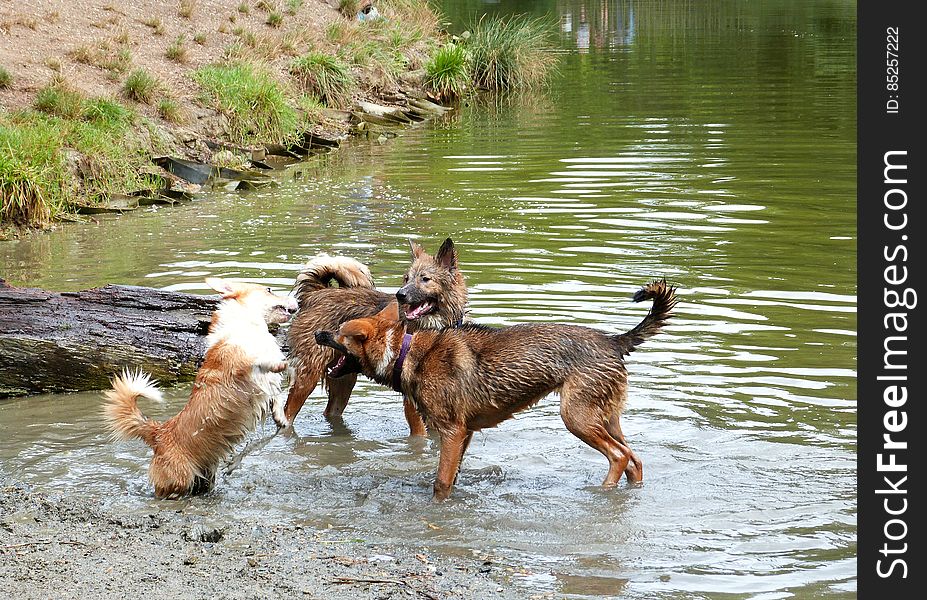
73,341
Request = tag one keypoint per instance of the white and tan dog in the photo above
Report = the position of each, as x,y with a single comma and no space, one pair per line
237,382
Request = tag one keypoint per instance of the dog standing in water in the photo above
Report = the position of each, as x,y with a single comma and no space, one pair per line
468,378
237,382
433,296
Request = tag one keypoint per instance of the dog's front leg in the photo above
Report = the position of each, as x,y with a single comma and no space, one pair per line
453,444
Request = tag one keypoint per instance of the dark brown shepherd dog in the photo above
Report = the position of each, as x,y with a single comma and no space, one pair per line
467,378
433,296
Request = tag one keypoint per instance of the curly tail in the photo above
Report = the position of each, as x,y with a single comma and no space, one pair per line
323,269
121,409
664,299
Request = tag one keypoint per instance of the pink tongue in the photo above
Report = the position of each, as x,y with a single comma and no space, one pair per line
340,362
417,312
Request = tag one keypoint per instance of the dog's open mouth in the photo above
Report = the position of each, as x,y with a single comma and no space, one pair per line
417,311
345,363
343,366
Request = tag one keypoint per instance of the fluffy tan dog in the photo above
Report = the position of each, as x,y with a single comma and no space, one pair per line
237,382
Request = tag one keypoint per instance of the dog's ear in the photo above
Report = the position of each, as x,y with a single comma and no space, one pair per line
226,288
416,249
447,255
390,312
356,329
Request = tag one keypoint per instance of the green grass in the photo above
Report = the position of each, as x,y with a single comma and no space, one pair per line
293,6
37,182
177,51
141,86
447,74
59,99
510,53
200,38
274,19
170,111
6,80
244,8
252,101
323,76
104,111
32,173
312,111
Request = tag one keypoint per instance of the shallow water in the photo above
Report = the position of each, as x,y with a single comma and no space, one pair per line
713,144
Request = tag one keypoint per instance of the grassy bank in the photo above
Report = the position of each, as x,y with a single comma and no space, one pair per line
79,124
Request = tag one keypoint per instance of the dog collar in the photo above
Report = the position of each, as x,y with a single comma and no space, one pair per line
397,368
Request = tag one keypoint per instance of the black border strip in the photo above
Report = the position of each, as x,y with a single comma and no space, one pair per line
891,266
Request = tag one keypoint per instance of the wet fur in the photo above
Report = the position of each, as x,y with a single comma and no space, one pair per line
238,380
472,377
323,307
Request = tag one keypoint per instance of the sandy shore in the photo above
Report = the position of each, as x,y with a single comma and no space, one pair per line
73,547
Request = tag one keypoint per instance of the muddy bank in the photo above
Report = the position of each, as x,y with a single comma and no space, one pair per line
71,546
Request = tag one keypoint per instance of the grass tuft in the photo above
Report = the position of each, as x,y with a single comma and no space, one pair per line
186,8
511,52
32,173
275,19
323,76
447,74
170,110
157,26
244,8
6,80
50,160
104,55
200,38
141,86
252,101
177,51
58,98
104,111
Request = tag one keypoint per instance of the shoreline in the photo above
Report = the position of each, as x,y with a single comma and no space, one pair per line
116,107
117,97
74,547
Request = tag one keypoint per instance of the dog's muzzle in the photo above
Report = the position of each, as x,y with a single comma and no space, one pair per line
346,363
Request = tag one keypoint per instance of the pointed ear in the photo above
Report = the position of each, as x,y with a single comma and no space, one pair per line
356,329
222,286
390,312
447,255
416,249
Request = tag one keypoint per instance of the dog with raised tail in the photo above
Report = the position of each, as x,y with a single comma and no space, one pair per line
240,378
433,296
472,377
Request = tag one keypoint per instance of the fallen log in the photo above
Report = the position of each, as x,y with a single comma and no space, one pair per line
74,341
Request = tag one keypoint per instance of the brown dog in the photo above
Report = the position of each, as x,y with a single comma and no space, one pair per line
433,296
239,378
468,378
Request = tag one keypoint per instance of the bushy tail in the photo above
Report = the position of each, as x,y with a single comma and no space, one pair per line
664,299
121,409
323,269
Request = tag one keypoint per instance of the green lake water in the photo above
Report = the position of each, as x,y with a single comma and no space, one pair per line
711,143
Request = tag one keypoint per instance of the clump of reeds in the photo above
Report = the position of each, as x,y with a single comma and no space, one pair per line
447,74
510,53
323,76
